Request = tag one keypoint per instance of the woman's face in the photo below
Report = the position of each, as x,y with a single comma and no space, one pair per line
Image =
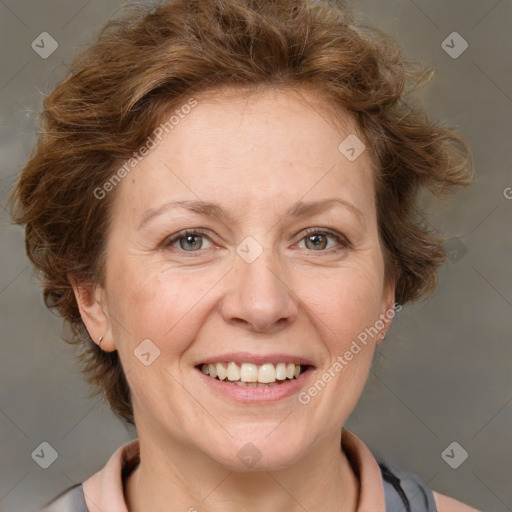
281,263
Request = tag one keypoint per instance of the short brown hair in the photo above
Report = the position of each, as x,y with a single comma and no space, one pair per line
116,91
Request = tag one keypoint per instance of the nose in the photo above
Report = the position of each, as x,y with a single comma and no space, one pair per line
258,298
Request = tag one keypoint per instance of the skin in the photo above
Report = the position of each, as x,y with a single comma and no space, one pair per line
254,156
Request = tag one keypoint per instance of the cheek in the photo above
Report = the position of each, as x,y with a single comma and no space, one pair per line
347,311
153,304
347,302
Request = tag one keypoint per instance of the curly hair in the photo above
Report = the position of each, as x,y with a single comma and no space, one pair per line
147,61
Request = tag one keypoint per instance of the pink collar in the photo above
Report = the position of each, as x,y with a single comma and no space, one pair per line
104,490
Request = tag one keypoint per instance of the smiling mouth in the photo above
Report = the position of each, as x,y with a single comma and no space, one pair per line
253,375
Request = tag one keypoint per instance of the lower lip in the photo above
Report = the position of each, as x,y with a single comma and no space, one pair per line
266,394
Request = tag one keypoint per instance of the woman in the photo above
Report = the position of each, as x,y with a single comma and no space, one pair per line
222,204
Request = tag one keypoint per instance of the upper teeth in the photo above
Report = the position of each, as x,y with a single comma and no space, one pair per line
248,372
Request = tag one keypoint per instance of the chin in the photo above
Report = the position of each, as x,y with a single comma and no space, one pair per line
260,451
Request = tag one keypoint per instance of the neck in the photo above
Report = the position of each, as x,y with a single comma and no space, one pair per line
182,479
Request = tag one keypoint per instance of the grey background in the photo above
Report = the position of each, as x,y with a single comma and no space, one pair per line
444,371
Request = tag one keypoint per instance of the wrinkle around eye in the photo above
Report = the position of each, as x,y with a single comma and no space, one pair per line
169,242
165,236
340,240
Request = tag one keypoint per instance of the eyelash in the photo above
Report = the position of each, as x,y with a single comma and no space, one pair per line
340,239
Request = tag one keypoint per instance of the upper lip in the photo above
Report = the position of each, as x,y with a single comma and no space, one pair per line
259,359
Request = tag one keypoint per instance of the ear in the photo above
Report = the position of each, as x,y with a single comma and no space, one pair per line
93,310
388,309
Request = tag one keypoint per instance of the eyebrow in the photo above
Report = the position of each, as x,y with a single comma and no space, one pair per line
298,209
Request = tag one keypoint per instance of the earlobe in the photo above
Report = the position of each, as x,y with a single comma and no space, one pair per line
90,299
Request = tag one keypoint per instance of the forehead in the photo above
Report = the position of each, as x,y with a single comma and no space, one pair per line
290,123
252,149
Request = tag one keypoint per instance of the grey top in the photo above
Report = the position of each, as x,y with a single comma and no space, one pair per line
403,491
71,500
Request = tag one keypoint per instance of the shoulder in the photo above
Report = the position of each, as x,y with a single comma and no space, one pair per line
71,500
103,491
388,487
446,504
403,487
